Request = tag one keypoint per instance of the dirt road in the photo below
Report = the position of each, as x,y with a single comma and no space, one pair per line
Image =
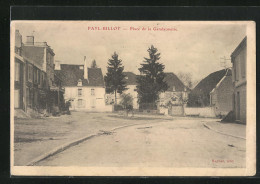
181,142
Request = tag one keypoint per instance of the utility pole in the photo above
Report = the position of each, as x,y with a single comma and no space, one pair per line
224,62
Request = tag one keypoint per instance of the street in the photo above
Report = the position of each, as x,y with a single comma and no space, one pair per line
36,137
180,142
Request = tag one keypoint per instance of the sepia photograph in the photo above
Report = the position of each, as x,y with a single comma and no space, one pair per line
133,98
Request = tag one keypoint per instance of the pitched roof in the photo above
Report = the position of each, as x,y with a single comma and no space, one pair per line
70,74
130,78
170,78
208,83
241,45
227,74
205,86
173,81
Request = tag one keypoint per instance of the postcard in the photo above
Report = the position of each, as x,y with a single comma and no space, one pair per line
133,98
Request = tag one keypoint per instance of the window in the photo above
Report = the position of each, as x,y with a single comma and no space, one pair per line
80,102
17,72
79,92
92,92
35,75
30,73
43,80
38,76
79,82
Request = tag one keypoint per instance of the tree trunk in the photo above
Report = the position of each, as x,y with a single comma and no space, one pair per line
115,98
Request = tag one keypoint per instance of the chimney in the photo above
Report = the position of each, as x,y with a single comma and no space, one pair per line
57,65
85,68
18,39
30,40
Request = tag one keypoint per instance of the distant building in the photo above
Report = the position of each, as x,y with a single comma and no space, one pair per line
221,95
84,86
130,79
175,96
239,60
177,93
131,87
200,95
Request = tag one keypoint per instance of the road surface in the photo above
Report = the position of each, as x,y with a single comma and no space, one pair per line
181,142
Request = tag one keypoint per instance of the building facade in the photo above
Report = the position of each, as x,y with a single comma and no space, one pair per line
84,87
176,94
239,61
35,83
19,74
130,79
221,95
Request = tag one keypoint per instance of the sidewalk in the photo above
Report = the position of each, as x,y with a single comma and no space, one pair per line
232,129
34,138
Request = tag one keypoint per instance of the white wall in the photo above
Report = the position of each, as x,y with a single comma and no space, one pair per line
132,90
200,111
90,102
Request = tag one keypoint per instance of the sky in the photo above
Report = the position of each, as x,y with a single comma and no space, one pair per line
188,47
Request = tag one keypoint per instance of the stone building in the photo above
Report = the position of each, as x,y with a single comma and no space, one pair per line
84,87
175,97
239,61
36,86
19,73
221,95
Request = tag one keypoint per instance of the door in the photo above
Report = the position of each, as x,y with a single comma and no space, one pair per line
238,106
93,103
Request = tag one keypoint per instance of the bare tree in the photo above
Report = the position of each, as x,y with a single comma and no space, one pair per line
186,78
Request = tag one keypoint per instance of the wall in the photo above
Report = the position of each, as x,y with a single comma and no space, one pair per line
197,111
176,110
173,97
89,102
35,55
239,60
49,66
240,112
132,90
221,98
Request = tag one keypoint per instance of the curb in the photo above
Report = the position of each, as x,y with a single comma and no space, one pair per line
75,142
209,127
58,150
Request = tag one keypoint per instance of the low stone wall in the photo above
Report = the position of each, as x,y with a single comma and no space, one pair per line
177,110
200,111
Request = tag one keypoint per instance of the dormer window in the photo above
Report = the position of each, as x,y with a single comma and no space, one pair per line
79,82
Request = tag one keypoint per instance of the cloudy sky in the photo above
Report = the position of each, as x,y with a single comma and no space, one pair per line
190,47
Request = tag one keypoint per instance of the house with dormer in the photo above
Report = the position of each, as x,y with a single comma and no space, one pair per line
84,86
